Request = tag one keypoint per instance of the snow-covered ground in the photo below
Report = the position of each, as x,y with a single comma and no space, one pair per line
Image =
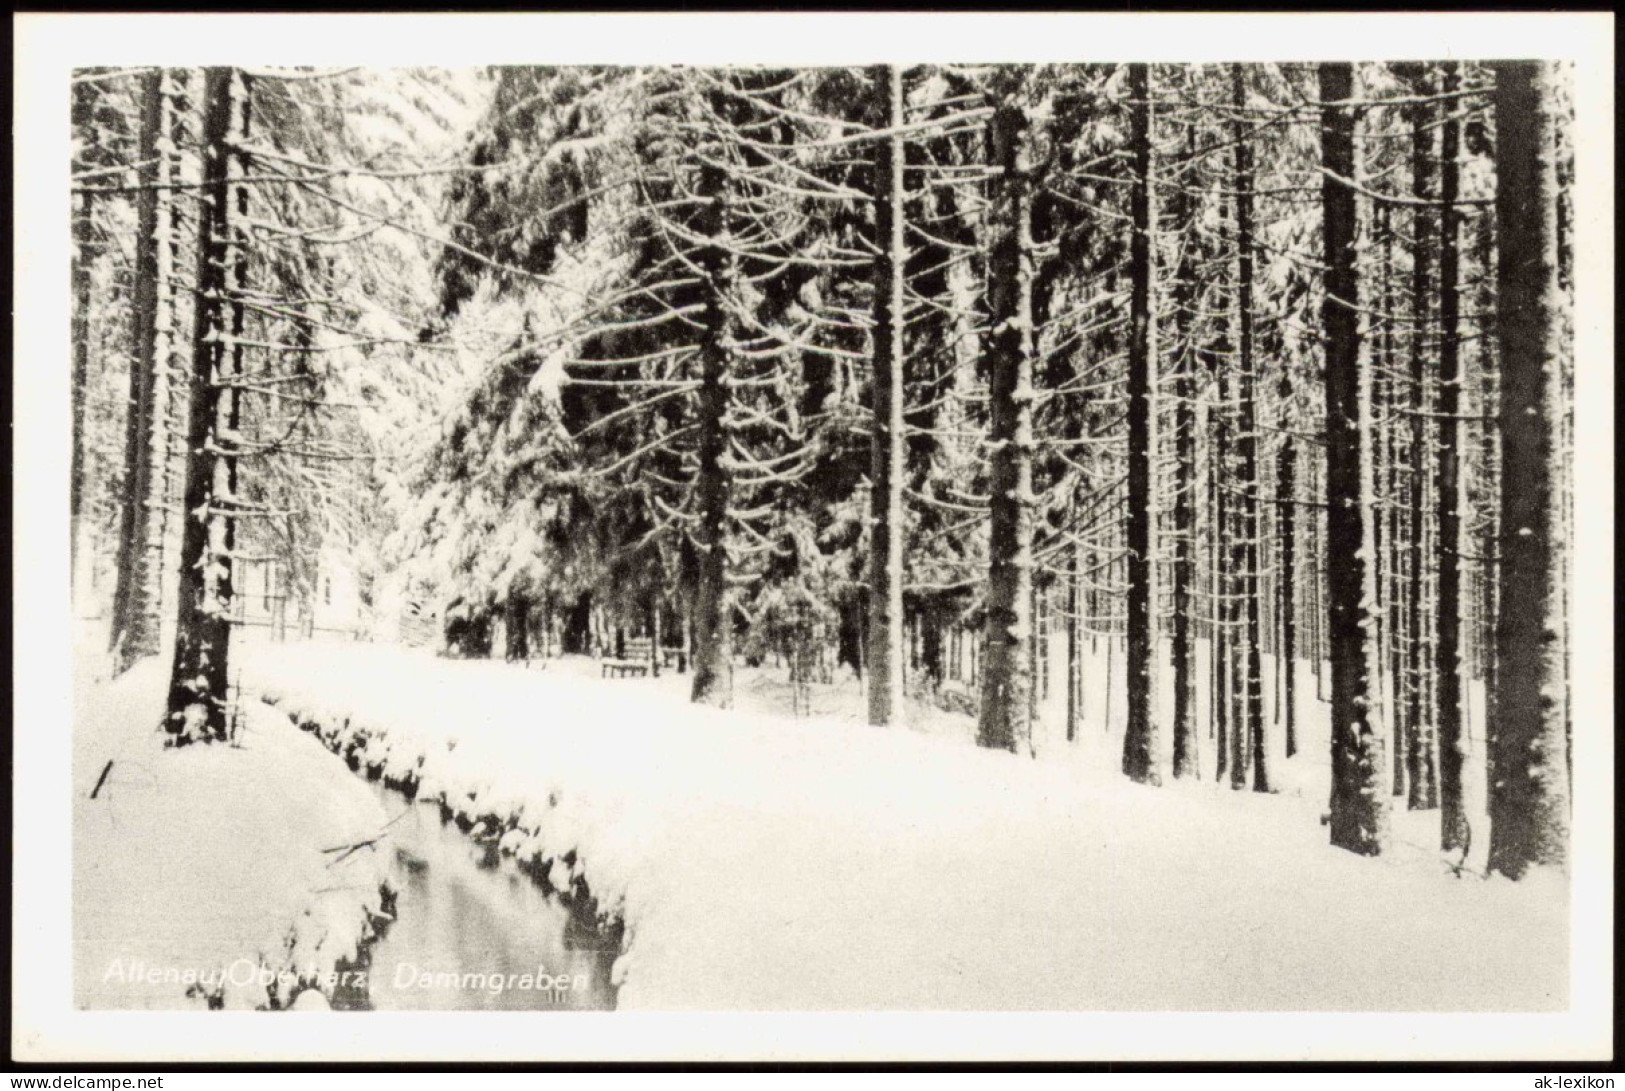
766,861
211,873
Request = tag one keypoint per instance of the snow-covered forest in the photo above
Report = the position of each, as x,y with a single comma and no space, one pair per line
1066,537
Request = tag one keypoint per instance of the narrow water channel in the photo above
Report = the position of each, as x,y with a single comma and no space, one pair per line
473,932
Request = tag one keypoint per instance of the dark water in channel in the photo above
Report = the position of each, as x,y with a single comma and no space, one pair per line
474,933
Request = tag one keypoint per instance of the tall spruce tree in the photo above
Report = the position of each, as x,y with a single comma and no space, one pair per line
1359,809
1529,785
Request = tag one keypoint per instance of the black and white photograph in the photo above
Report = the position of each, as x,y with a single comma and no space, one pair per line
791,517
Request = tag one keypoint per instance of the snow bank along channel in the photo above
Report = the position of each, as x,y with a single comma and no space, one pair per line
464,934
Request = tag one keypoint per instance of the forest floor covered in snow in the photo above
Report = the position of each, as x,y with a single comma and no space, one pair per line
212,875
763,860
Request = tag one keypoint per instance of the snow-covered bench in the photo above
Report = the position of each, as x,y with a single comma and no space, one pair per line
624,668
636,664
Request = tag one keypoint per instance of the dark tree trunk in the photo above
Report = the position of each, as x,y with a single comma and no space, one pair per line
1317,585
1529,790
914,641
1140,735
1490,470
577,635
849,637
516,627
1253,641
1420,738
1074,666
1452,711
1287,469
1233,558
931,644
656,639
1235,665
1007,679
1386,403
134,630
886,527
713,625
481,638
85,253
1035,656
1359,811
1219,583
1185,763
198,690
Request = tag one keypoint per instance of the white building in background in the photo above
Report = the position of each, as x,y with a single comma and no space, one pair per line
341,606
264,605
